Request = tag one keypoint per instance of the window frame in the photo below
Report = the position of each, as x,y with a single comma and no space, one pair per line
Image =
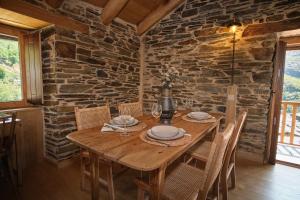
9,31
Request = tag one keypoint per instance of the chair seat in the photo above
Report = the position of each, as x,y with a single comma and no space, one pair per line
201,151
183,183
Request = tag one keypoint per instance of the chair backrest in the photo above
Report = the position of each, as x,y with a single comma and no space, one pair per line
216,157
7,130
135,109
92,117
234,139
231,105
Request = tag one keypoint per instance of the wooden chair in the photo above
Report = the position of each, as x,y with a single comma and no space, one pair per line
91,118
7,138
201,153
204,147
187,182
135,109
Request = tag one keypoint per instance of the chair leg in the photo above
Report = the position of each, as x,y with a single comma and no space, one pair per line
110,182
224,187
12,176
140,194
83,175
233,177
216,189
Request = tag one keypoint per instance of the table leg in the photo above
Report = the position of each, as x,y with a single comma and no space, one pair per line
94,176
157,182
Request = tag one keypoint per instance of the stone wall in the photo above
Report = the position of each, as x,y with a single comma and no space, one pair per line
193,39
85,70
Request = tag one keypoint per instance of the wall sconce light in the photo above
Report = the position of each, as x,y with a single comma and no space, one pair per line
233,25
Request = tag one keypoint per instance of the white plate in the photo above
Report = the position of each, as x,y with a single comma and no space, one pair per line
199,115
164,131
179,135
135,122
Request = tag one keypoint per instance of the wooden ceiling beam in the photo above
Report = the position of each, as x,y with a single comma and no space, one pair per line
54,3
112,9
272,27
33,11
161,11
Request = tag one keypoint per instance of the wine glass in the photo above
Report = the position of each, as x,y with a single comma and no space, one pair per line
156,110
124,113
175,105
190,103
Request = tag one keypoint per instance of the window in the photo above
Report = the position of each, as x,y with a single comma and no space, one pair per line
10,70
12,73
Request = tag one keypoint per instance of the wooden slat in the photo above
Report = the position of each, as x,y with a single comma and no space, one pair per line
231,104
294,115
30,10
112,10
283,122
162,10
54,3
260,29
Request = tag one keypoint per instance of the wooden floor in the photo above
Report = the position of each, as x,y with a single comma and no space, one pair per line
288,153
255,182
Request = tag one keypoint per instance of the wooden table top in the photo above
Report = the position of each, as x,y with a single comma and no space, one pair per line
132,152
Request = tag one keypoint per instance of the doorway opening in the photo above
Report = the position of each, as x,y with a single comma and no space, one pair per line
288,147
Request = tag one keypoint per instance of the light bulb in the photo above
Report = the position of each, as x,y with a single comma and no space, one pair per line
233,28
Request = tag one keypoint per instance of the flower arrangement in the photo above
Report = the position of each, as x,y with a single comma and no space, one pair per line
169,76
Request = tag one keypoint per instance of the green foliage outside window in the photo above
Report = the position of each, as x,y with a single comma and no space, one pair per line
10,73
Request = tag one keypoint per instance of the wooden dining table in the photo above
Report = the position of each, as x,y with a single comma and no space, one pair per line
134,153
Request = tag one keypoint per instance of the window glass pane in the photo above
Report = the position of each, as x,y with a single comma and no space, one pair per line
10,70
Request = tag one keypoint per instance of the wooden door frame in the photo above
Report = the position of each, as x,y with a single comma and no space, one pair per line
275,102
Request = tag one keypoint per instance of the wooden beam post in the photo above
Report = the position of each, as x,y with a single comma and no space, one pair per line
54,3
36,12
272,27
112,9
162,10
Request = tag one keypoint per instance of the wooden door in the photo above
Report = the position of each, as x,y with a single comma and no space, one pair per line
275,105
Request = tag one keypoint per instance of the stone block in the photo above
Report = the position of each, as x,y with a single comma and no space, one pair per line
65,49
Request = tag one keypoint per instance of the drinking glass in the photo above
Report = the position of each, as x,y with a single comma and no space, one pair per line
124,118
190,103
156,110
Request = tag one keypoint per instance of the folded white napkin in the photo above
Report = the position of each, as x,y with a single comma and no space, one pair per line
110,128
106,129
122,119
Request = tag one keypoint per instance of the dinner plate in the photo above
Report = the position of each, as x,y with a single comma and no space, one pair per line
164,132
199,115
132,123
150,134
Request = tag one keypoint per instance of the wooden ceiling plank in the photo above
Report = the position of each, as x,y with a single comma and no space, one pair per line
30,10
161,11
112,9
98,3
54,3
272,27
